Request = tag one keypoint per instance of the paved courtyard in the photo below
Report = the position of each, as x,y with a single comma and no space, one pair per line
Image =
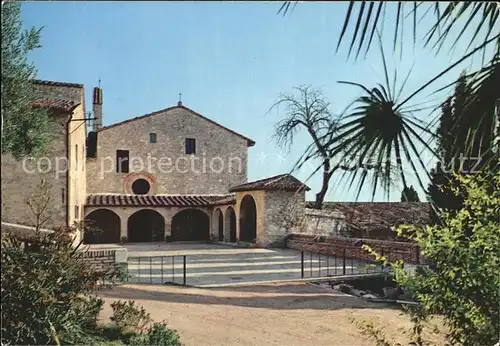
214,264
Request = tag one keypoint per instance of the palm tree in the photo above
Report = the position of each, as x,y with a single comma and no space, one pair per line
381,124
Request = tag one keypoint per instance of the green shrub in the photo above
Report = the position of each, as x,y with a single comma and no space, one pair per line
462,284
127,316
48,290
158,334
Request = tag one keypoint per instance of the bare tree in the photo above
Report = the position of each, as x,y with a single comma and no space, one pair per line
39,204
307,109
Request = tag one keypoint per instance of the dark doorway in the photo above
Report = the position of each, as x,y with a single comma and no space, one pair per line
146,226
190,225
219,218
230,217
248,219
104,227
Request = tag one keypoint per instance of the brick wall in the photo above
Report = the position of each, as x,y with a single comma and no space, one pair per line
337,246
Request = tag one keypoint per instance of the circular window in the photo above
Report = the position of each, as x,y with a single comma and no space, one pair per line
141,187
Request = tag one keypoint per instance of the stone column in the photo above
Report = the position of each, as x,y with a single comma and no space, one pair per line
123,226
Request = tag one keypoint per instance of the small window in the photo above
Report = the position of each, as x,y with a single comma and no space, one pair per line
76,156
62,196
77,212
152,138
190,145
141,187
122,161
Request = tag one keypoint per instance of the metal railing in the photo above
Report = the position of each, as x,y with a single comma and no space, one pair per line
157,269
348,261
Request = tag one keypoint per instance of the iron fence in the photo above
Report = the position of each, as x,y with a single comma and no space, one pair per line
347,261
157,269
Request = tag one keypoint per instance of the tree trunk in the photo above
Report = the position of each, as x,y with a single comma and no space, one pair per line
320,196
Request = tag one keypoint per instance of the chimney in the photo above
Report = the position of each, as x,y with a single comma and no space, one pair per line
97,108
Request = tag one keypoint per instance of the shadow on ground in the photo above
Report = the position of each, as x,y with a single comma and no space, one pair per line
278,297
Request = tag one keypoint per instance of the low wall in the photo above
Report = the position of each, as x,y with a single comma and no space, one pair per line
337,246
321,222
107,259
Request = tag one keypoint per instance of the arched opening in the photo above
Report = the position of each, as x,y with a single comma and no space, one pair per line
104,227
230,220
145,226
190,225
248,219
219,224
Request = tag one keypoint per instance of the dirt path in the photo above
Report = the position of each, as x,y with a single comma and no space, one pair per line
266,314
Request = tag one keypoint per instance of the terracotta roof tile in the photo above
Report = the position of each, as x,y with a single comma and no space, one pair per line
250,142
154,200
231,199
65,105
53,83
285,182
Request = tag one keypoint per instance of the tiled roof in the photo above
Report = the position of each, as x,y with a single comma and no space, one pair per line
52,83
231,199
285,182
65,105
378,216
153,200
250,142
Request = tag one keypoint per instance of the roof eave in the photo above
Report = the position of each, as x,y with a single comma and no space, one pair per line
250,142
242,189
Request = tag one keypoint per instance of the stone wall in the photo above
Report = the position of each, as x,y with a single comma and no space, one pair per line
322,222
106,260
283,212
351,247
76,158
220,161
21,181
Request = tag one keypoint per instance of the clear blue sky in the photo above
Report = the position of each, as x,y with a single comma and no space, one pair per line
230,61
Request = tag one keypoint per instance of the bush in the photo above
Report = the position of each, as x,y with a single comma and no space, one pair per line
48,290
462,283
158,335
127,316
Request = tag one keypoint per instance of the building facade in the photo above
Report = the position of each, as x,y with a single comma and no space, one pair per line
52,187
171,175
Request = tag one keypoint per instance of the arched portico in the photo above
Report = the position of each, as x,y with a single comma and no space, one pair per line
104,227
230,225
248,219
218,222
190,225
146,225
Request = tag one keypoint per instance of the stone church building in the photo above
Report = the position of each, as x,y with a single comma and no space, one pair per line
170,175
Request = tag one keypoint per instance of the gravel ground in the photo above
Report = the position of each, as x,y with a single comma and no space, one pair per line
262,314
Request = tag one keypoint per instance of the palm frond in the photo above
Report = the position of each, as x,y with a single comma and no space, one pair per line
287,6
383,136
473,18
